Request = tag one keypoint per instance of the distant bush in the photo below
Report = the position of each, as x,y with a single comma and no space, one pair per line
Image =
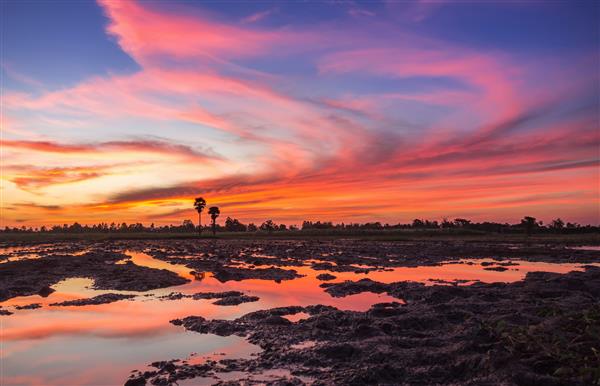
528,225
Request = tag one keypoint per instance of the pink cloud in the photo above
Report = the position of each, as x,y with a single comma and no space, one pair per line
324,154
142,146
258,16
146,33
492,77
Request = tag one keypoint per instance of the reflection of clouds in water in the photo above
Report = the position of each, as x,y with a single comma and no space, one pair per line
587,248
146,260
296,317
93,360
35,252
96,342
261,377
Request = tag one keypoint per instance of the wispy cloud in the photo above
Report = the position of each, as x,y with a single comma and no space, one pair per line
342,119
360,12
138,146
258,16
29,177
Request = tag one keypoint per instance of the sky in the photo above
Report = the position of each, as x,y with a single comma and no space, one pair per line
341,111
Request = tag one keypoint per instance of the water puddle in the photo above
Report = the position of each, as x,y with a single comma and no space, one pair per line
464,271
587,248
101,344
303,345
16,253
8,254
146,260
256,378
84,359
296,317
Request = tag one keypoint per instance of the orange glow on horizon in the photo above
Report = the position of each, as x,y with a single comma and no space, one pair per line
392,127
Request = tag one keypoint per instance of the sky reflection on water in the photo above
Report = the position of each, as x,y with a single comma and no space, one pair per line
101,344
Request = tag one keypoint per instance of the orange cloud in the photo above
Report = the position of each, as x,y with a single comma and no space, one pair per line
26,177
490,145
140,146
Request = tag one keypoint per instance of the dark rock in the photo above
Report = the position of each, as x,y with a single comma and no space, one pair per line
39,274
100,299
235,300
216,295
31,306
225,274
326,276
276,320
45,291
499,269
445,335
138,381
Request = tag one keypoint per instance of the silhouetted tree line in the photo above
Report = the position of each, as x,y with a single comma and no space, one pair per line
528,225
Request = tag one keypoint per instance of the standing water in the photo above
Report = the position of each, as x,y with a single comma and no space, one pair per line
101,344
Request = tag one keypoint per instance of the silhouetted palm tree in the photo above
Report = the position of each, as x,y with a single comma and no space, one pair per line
214,213
199,204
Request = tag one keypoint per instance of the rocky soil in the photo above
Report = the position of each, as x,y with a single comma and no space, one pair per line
235,260
35,276
100,299
544,330
227,298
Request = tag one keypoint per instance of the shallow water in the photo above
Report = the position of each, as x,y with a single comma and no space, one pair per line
101,344
14,253
263,377
587,248
19,253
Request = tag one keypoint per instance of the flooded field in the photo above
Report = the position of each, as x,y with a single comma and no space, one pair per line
203,312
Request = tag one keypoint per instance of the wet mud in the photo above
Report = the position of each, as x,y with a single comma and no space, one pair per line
227,298
542,330
35,276
100,299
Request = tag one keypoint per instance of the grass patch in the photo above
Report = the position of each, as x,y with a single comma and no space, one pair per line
564,345
375,235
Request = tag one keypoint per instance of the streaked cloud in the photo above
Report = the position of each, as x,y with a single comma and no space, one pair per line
329,120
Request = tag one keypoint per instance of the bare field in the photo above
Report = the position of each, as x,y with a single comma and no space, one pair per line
321,311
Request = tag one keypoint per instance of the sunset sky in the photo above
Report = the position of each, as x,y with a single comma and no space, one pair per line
322,110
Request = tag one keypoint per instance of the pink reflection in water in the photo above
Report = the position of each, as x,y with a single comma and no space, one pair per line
97,344
467,269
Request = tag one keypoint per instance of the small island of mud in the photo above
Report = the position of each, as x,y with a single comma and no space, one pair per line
541,331
506,322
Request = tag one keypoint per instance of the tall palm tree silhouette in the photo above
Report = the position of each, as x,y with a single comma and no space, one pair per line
214,213
199,204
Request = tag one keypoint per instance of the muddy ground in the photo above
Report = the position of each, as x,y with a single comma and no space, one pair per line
544,330
35,276
235,260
